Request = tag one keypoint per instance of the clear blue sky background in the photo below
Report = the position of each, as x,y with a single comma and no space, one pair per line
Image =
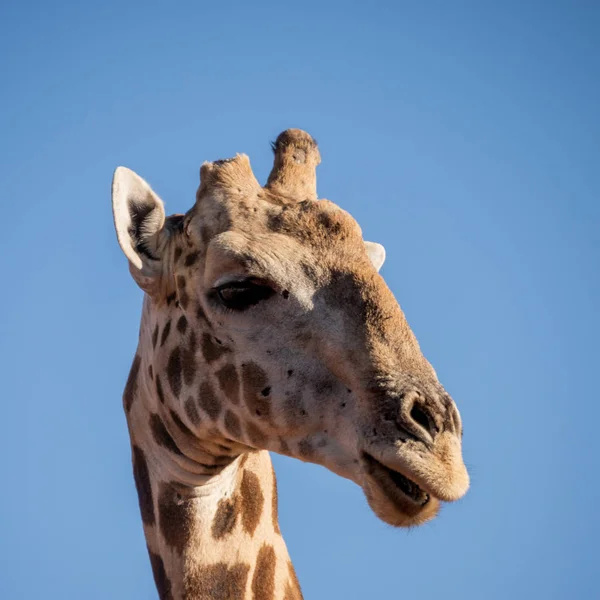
464,136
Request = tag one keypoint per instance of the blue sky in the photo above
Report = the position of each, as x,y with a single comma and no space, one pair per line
464,136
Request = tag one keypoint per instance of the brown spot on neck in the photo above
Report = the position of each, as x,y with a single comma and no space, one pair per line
143,486
253,501
180,424
225,517
175,518
263,580
161,436
131,385
159,390
163,584
182,324
184,298
165,333
170,298
174,371
217,582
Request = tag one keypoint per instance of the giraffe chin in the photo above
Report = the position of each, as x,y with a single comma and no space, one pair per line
394,498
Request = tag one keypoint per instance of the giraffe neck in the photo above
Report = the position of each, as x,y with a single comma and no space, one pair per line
209,508
221,540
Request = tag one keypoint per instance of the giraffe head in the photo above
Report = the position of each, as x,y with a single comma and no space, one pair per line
271,328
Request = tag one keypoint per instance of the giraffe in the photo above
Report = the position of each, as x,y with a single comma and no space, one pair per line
266,327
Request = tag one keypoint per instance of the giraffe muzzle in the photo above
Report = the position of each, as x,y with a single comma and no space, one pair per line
405,481
399,482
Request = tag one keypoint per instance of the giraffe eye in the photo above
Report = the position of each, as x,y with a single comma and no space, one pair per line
240,295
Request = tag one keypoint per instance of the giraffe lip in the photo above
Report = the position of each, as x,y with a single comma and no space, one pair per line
398,482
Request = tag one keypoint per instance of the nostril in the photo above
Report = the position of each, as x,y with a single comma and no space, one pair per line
418,415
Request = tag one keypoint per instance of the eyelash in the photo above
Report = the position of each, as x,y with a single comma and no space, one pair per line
243,294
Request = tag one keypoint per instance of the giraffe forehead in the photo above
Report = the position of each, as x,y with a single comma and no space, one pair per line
298,242
310,222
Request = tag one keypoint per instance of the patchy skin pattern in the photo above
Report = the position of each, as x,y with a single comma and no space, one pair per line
208,400
232,424
143,485
161,436
182,325
249,502
159,390
165,334
263,580
180,424
191,411
211,350
131,385
253,501
175,518
174,371
226,517
163,585
331,364
219,581
256,390
229,382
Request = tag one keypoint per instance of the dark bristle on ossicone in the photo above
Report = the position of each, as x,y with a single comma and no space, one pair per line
283,138
223,161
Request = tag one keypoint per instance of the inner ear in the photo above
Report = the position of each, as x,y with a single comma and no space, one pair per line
376,253
139,217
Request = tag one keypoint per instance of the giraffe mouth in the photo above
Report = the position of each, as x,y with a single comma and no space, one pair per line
393,482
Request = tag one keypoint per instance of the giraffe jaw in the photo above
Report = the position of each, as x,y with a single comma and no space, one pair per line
394,497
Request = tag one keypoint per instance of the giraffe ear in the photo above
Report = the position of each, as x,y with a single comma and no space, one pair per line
139,217
376,253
